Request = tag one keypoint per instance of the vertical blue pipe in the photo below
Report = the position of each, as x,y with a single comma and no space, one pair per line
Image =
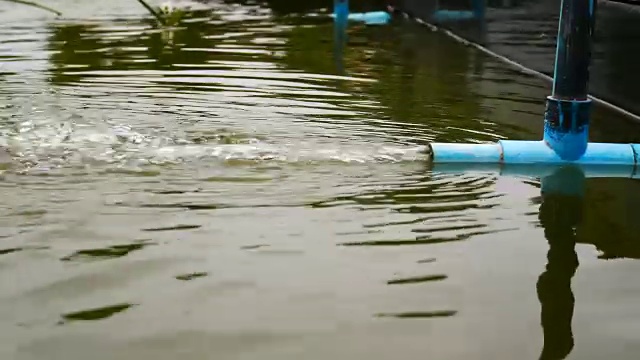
341,19
478,8
568,109
341,11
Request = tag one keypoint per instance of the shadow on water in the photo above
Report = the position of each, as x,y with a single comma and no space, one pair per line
419,314
110,252
417,279
95,314
560,214
191,276
565,195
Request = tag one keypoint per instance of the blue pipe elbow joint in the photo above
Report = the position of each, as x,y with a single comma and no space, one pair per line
566,127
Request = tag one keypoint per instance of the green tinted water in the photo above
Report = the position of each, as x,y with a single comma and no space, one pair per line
232,189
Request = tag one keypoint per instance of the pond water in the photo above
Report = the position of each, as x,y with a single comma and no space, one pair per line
243,188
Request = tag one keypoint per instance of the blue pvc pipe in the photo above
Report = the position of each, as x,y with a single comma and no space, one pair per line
531,152
465,153
566,119
566,126
477,12
478,8
369,18
341,11
341,14
452,15
339,42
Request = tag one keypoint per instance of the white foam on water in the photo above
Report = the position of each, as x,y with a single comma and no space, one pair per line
63,146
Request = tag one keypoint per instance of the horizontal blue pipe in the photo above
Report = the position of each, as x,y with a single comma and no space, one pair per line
566,126
452,15
527,152
532,152
369,18
466,153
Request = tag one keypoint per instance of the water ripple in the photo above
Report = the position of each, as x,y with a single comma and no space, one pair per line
173,176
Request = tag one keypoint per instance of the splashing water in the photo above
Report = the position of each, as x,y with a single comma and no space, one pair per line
77,144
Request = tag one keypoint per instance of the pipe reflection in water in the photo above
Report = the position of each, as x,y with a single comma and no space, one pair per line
560,214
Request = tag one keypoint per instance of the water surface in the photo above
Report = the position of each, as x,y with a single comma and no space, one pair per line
239,188
525,31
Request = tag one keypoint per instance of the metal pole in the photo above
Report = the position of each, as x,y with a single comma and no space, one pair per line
568,109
